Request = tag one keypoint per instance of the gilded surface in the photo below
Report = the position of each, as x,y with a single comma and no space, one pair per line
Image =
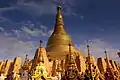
58,42
39,71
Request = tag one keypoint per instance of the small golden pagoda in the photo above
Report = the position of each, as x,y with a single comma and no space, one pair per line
57,46
26,65
37,56
25,69
109,70
2,71
71,71
89,64
38,71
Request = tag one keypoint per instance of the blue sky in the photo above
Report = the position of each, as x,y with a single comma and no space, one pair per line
24,22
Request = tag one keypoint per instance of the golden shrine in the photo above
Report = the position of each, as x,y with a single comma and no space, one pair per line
57,46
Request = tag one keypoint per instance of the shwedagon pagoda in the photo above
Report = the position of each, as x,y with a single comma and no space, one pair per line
60,60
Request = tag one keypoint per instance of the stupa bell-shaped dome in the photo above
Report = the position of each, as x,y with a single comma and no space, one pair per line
57,45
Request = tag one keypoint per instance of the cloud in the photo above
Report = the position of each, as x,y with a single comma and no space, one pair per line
7,9
3,32
40,7
97,48
34,31
2,18
37,9
81,17
1,29
28,31
12,47
50,32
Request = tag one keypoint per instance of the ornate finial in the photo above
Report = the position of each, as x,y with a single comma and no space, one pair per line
26,55
106,53
88,46
59,7
59,19
41,43
26,58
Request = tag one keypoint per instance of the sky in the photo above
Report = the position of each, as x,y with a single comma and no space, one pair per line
24,22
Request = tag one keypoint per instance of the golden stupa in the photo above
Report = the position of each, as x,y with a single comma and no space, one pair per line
57,46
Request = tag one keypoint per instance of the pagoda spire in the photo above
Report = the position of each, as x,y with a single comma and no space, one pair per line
109,69
89,62
26,58
107,59
40,56
71,71
59,23
41,43
59,18
57,45
88,48
106,55
26,64
71,56
38,70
